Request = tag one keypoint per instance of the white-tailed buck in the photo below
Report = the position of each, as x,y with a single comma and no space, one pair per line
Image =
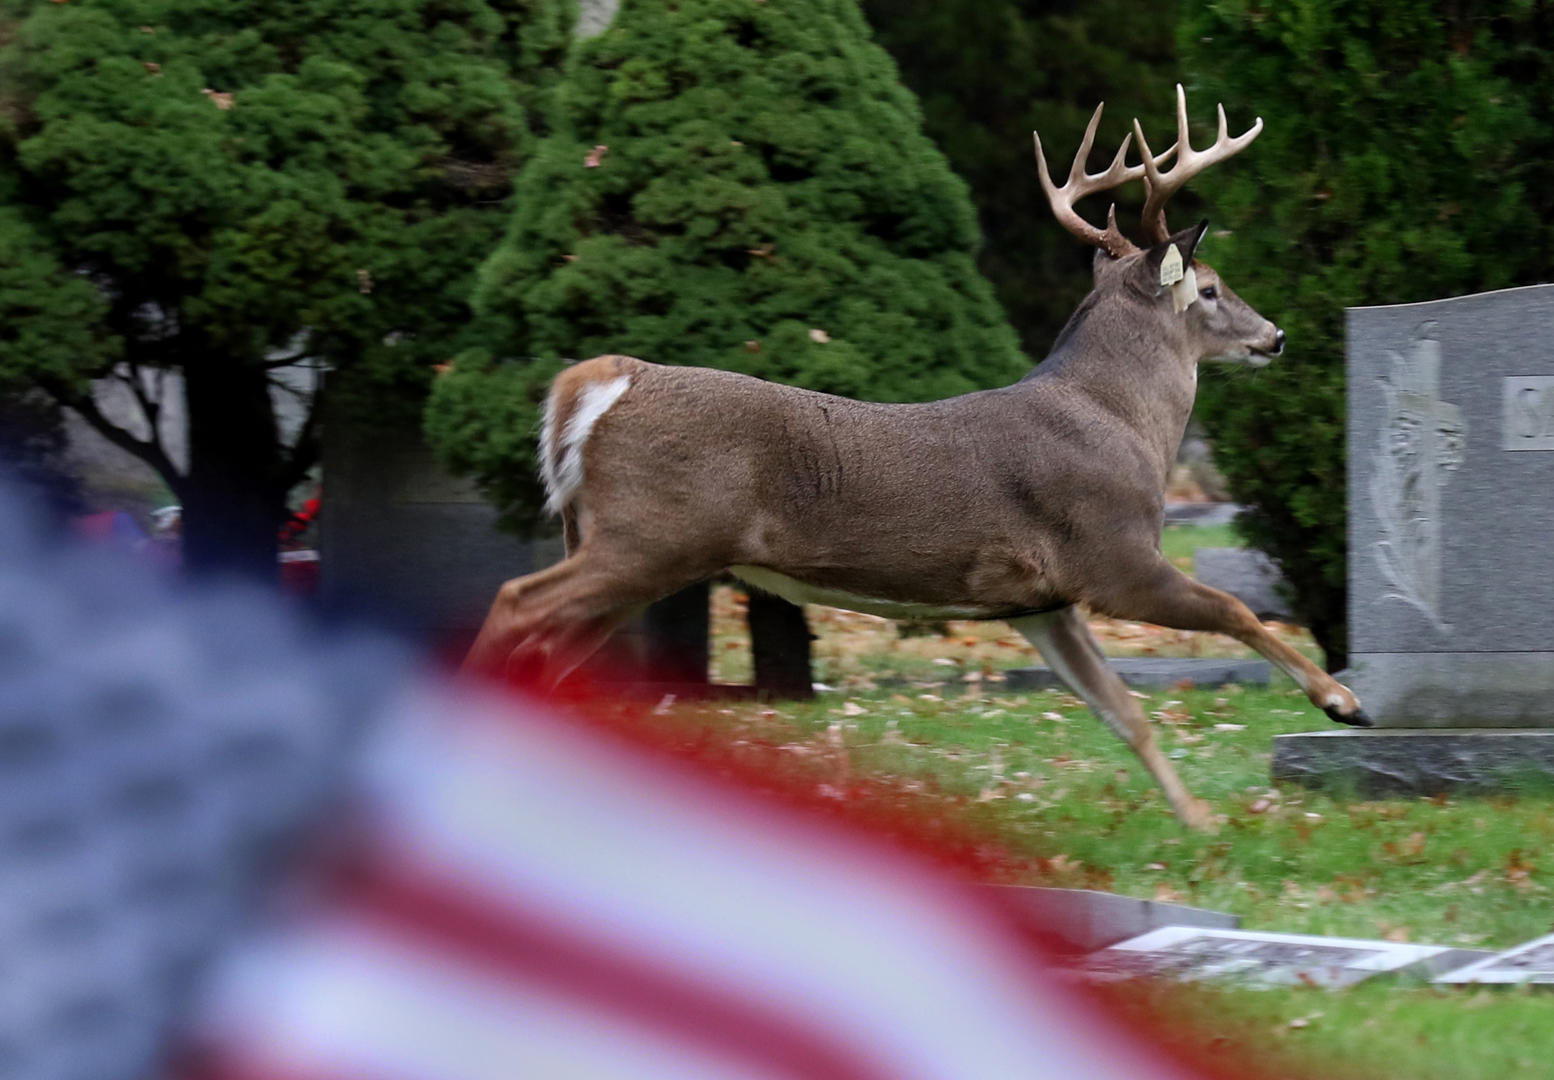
1022,503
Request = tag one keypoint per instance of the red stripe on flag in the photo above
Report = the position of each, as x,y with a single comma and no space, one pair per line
518,942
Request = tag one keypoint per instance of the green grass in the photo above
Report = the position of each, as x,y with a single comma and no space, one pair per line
1069,800
1178,542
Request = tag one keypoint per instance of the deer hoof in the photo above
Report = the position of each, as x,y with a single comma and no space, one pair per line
1354,719
1198,816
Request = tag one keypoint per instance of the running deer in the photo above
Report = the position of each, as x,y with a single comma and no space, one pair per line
1023,503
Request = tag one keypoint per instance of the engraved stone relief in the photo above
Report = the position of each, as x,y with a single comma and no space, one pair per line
1421,444
594,17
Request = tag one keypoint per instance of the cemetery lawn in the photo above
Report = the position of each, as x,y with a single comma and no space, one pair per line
1178,542
1073,808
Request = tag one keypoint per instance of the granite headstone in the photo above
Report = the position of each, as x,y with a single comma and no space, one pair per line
1451,510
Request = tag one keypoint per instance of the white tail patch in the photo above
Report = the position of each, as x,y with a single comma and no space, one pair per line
561,459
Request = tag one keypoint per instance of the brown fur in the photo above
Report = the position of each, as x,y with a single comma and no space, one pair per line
1027,499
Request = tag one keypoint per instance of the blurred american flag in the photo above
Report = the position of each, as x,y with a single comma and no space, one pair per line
516,897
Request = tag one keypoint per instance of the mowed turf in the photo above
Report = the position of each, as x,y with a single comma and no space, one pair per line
1072,807
926,720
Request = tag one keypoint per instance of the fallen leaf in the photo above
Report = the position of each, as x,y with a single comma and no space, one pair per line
595,157
217,98
852,708
152,66
752,346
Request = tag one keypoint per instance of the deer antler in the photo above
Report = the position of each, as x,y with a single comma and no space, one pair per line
1189,163
1081,183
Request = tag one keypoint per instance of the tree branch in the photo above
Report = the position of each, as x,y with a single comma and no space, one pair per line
148,450
151,407
305,450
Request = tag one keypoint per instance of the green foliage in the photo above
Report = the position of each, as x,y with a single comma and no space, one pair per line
763,200
990,73
204,184
1406,158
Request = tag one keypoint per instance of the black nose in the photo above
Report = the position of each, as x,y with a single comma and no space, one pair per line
1278,342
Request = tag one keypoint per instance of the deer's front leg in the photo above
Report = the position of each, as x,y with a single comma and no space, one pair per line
1067,645
1167,597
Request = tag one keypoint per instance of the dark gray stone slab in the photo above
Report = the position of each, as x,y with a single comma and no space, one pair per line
1248,575
401,535
1156,672
1416,762
1084,920
1530,963
1204,513
1265,960
1451,506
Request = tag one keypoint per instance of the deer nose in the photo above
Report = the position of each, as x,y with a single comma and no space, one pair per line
1278,342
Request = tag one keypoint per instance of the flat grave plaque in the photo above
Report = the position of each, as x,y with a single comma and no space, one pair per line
1530,963
1260,959
1084,920
1155,672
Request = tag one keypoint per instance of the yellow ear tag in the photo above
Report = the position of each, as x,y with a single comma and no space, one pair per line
1185,291
1171,267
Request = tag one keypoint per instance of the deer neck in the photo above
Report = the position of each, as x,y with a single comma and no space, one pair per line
1137,365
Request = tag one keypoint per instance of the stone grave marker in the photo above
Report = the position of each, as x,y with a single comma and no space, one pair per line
1155,672
420,550
1530,963
1083,920
1451,512
1264,959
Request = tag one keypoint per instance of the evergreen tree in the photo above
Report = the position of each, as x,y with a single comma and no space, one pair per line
213,188
736,184
990,73
1406,158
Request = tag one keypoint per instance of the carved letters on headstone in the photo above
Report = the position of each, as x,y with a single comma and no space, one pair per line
1529,412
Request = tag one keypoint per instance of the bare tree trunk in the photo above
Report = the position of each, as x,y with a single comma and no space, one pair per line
678,629
234,498
780,646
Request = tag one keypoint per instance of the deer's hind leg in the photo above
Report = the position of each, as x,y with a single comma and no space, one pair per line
564,613
1067,645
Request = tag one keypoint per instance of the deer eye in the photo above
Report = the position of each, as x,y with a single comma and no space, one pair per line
1209,293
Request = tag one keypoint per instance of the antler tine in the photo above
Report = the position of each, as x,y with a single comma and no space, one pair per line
1081,183
1189,162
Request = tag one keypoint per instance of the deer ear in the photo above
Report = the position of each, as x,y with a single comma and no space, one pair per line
1186,244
